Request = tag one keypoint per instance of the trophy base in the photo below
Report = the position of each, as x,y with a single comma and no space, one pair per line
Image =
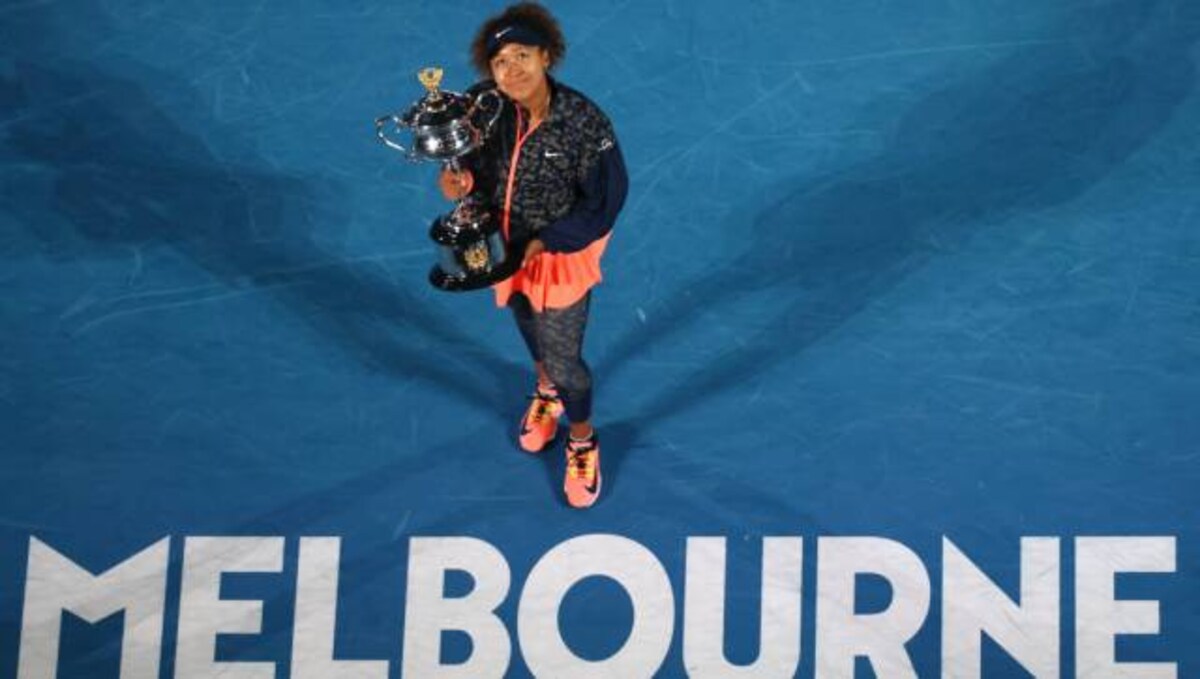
450,283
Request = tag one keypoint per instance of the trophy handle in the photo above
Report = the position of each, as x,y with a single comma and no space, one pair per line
381,131
487,128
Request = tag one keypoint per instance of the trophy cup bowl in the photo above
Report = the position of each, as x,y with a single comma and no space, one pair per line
442,127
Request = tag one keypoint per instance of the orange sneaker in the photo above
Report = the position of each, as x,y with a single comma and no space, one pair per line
582,484
541,419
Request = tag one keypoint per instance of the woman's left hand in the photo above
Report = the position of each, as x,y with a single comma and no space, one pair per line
535,248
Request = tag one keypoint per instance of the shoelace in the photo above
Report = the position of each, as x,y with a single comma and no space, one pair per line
582,460
544,401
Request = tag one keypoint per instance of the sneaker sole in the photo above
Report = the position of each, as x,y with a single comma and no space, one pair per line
595,496
539,449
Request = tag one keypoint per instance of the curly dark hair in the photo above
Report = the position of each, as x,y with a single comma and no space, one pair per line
529,14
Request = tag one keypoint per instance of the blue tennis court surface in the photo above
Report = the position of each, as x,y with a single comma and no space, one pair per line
904,307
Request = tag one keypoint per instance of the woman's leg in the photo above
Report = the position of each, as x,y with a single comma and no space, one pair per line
560,339
523,315
560,336
540,422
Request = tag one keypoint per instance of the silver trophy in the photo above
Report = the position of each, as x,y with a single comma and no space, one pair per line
443,126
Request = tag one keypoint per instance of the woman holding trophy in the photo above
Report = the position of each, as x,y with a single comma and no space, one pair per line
554,171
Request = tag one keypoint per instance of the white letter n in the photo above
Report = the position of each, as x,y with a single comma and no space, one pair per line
972,604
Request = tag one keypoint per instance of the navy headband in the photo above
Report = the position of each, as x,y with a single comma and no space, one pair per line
518,33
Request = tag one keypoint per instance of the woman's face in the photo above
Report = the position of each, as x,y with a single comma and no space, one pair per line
520,71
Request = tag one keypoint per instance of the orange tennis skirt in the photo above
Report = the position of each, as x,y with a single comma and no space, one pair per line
555,280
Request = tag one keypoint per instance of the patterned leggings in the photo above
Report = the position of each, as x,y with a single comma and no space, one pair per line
555,337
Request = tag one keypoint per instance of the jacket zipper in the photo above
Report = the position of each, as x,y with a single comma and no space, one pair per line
512,170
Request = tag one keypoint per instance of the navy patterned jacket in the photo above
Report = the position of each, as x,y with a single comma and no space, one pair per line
570,176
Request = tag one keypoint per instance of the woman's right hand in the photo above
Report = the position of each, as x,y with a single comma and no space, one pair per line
455,185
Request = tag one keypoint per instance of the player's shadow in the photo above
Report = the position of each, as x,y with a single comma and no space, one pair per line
1034,130
126,176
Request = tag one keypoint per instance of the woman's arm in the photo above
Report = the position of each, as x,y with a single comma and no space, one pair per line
455,185
602,195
